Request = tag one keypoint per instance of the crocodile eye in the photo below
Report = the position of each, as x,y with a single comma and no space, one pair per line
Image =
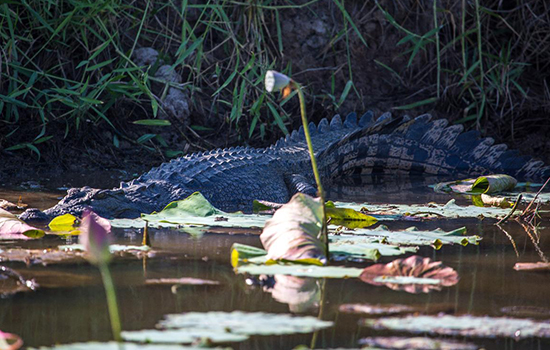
100,195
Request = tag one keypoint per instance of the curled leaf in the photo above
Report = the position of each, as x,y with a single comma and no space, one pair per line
414,274
292,233
13,228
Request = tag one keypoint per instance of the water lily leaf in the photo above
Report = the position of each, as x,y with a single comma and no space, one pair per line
183,281
245,254
349,218
417,343
291,234
182,335
64,224
13,228
194,210
390,212
484,184
501,202
376,310
414,274
466,326
118,346
245,323
301,270
409,237
350,247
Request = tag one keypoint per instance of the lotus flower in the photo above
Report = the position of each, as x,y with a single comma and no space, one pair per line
95,237
275,81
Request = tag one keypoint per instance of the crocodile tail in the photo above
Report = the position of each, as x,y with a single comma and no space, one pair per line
422,145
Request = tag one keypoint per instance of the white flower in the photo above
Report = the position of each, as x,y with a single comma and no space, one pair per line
275,81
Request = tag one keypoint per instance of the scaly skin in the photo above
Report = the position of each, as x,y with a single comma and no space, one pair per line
232,178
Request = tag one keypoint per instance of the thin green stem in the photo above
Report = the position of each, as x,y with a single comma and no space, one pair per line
324,233
438,53
111,300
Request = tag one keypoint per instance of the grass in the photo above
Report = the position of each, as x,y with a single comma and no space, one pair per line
68,69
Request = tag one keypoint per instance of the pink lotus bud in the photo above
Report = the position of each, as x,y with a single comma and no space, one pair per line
275,81
95,237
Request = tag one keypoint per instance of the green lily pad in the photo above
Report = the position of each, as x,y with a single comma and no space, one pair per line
448,210
484,184
245,323
118,346
182,335
466,326
409,237
362,247
417,343
194,210
301,270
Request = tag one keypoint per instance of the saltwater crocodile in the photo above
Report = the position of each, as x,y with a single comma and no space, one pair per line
232,178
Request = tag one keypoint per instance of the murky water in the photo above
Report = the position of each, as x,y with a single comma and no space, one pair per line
73,308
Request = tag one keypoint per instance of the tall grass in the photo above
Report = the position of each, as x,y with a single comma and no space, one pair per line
70,64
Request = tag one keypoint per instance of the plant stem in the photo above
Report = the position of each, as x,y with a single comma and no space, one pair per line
111,300
313,164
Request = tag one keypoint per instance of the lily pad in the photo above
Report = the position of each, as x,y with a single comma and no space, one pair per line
301,270
183,280
245,323
182,336
484,184
64,224
13,228
363,247
466,326
414,274
118,346
409,237
417,343
196,210
390,212
291,234
377,310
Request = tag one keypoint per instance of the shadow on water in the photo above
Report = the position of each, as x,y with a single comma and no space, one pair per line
73,308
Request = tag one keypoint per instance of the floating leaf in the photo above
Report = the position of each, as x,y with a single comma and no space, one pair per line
64,224
376,309
409,237
182,335
245,254
500,202
363,247
194,210
414,274
484,184
291,234
389,212
349,218
13,228
118,346
245,323
417,343
301,270
183,280
465,326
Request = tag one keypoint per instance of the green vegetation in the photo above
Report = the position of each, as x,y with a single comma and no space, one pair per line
68,69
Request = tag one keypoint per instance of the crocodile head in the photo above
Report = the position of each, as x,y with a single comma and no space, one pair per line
106,203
